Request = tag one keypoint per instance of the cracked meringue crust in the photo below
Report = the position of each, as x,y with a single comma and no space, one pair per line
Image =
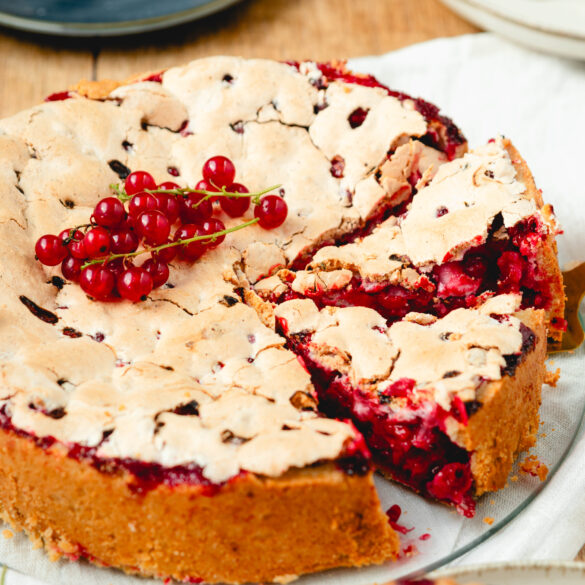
475,227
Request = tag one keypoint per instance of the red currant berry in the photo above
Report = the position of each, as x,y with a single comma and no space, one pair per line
97,281
219,171
166,254
168,205
134,284
193,250
97,242
139,181
140,203
195,208
123,240
204,185
74,243
117,266
71,268
159,271
212,226
271,211
50,250
168,186
236,206
109,212
154,227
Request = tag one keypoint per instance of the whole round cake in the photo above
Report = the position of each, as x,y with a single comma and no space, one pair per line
232,291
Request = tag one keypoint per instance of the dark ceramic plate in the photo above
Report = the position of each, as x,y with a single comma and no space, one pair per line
92,18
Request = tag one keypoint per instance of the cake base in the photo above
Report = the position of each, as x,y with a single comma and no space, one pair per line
254,529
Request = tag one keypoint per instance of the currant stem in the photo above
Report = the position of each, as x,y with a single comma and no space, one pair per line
119,193
182,191
210,237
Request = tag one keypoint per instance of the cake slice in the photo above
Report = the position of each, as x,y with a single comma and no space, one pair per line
475,229
444,404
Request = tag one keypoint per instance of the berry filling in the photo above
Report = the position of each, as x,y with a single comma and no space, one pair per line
391,301
497,267
58,96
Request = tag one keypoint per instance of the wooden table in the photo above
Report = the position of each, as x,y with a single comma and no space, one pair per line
32,67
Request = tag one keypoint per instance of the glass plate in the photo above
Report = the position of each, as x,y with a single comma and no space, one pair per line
92,18
542,573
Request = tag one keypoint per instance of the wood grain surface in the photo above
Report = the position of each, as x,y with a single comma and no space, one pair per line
32,67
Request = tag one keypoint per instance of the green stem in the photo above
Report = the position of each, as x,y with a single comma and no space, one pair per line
210,237
3,575
183,191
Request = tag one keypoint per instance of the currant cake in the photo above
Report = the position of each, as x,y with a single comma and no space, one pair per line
225,426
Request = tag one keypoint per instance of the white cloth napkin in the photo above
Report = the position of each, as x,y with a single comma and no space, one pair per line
488,87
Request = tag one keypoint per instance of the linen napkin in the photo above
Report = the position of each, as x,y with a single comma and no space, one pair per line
488,87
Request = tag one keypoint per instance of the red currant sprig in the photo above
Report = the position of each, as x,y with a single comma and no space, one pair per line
195,205
161,220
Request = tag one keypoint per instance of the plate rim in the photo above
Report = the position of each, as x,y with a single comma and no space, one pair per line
102,29
573,567
479,5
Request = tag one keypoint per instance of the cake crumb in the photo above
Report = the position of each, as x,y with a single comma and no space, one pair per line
492,502
532,466
514,478
488,520
7,533
551,378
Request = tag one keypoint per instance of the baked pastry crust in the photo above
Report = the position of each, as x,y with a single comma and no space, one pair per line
75,511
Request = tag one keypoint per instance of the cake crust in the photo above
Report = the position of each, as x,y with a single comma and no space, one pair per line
314,518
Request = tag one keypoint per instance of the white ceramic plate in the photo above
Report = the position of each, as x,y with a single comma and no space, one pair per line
519,574
552,26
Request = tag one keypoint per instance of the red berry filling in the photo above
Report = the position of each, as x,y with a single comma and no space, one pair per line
496,267
58,96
